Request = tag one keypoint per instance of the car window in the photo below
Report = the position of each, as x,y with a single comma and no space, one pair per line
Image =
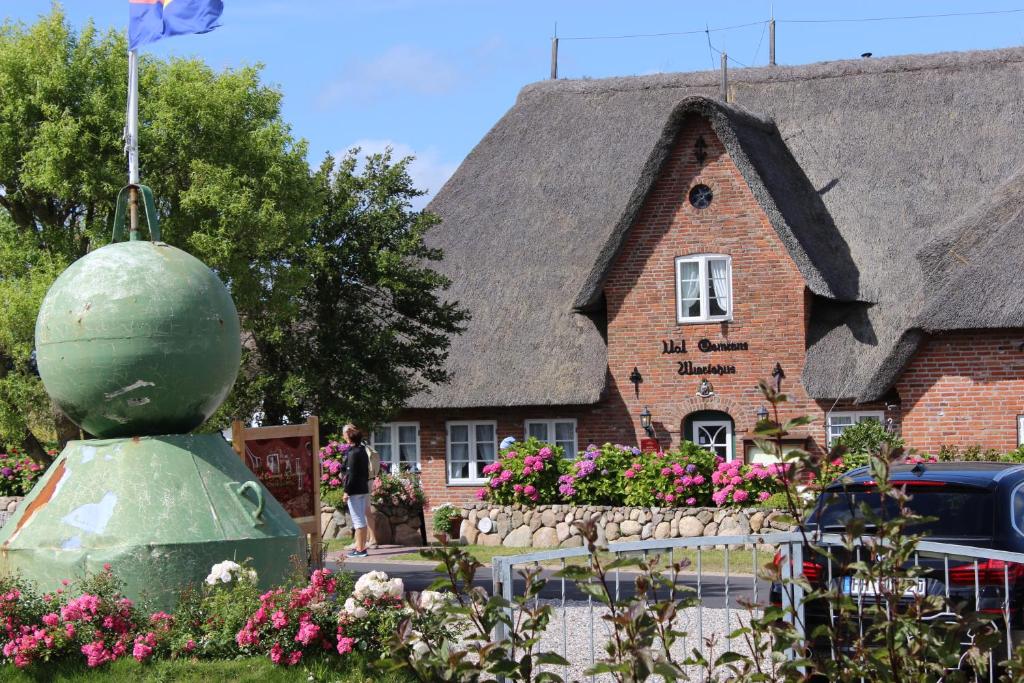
957,512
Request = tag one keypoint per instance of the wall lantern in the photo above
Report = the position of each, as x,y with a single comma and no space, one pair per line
645,422
778,375
762,414
637,379
705,390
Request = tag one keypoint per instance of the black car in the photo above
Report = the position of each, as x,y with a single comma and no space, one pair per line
977,504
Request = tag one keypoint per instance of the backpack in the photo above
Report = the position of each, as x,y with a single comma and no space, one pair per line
374,459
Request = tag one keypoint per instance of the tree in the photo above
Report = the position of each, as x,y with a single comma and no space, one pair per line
369,328
235,189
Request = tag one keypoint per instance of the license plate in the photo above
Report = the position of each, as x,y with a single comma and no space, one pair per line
908,587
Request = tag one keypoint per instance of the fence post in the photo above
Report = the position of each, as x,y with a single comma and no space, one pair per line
793,594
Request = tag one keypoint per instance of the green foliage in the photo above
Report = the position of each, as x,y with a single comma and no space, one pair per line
207,618
341,312
445,517
867,438
595,477
975,453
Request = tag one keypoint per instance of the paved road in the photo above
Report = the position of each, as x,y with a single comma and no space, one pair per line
418,576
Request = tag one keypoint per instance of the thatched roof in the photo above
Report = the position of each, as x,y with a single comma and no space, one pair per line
885,179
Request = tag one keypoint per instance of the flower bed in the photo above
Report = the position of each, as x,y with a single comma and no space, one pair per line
324,617
533,473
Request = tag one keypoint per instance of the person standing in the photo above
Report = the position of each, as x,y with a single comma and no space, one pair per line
356,470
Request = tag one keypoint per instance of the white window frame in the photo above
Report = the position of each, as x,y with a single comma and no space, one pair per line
857,415
1020,430
550,424
702,277
394,443
729,436
476,475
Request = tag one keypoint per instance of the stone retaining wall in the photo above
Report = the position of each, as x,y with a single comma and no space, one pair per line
388,525
551,526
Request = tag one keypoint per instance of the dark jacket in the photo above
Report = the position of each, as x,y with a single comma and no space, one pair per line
356,468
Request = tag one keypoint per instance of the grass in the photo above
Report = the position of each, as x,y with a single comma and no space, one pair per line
336,544
247,670
712,561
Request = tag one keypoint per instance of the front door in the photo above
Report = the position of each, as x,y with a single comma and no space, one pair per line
714,436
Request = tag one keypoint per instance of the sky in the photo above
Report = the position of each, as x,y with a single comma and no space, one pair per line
430,77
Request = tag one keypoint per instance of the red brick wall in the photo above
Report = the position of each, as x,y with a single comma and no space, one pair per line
964,388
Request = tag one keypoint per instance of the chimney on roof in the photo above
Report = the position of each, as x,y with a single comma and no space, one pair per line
725,77
865,55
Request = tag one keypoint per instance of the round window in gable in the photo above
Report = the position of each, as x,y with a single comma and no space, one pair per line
701,196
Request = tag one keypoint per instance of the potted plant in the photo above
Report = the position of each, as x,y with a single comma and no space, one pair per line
447,522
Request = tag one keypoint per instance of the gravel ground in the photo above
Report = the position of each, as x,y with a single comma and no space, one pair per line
575,629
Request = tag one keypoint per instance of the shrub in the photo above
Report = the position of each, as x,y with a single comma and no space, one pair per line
867,438
371,616
332,488
18,473
207,618
444,517
745,484
399,489
676,478
290,624
595,477
525,472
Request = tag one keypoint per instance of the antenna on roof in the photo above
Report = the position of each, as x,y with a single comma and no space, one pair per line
554,53
725,77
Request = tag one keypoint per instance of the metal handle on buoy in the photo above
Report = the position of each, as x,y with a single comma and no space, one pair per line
152,220
239,491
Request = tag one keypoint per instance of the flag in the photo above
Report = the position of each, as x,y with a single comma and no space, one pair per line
151,20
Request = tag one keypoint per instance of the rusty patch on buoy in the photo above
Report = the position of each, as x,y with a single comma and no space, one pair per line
39,501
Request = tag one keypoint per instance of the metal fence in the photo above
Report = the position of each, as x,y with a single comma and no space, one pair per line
722,593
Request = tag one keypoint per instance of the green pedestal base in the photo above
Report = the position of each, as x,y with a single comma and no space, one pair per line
160,510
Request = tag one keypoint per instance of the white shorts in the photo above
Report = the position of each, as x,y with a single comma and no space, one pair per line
357,509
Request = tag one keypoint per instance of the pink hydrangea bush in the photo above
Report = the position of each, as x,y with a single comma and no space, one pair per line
291,624
18,473
525,472
740,484
331,457
678,478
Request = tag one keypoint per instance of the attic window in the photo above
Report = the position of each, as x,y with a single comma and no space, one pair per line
703,288
701,196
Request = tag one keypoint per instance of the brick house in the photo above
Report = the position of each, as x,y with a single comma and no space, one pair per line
857,224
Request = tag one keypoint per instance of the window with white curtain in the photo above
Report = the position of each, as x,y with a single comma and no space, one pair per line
839,421
398,444
703,288
556,432
471,447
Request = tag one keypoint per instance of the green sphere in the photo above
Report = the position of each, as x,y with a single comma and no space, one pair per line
138,338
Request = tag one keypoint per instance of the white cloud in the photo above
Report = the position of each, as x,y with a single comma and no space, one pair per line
428,170
400,69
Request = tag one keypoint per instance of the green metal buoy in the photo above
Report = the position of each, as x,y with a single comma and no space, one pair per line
138,342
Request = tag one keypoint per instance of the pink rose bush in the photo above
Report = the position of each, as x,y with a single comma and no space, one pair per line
291,624
525,472
745,484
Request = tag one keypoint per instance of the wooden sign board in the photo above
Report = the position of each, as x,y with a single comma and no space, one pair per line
286,460
648,445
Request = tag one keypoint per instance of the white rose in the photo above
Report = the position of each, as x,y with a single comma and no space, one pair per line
431,601
395,588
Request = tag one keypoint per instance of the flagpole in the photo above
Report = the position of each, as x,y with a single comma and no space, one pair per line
132,136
